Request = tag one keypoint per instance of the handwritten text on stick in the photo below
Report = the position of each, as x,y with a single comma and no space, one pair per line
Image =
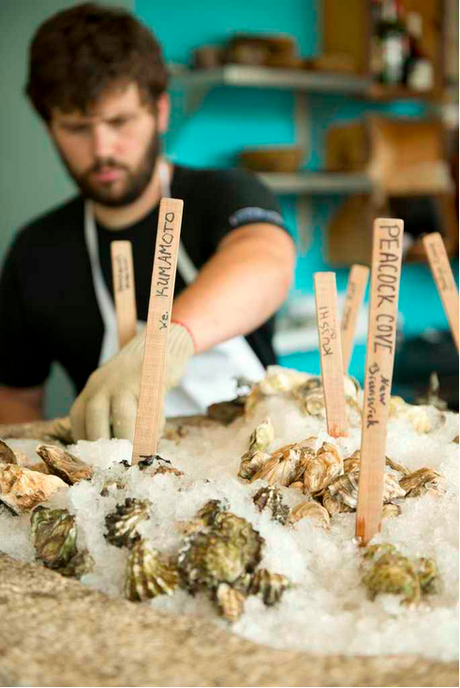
444,278
381,340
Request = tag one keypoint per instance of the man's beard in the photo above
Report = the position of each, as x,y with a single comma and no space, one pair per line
136,180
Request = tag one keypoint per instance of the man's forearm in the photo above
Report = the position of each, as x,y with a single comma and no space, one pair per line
239,288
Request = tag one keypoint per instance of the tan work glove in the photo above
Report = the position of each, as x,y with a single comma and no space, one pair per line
111,395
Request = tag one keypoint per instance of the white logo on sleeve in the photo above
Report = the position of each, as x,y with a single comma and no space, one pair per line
244,215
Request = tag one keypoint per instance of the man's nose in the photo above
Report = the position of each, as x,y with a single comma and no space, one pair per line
103,140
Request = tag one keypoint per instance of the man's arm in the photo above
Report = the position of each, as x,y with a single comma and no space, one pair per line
21,405
240,287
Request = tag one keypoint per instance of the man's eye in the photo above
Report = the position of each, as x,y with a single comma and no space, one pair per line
118,122
76,128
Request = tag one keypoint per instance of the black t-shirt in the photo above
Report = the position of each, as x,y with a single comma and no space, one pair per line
48,307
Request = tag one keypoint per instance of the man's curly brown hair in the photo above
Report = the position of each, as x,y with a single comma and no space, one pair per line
81,53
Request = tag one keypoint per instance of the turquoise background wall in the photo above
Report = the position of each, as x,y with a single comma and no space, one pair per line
230,119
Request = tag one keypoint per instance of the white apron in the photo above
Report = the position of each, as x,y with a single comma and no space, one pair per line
210,376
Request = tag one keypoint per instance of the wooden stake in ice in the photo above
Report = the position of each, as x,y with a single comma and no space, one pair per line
357,282
157,329
123,287
383,317
444,278
330,353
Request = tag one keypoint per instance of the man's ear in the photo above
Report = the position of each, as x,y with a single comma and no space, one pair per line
163,111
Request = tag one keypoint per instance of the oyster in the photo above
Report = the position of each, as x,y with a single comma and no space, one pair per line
270,586
428,575
281,468
149,573
251,463
391,510
354,461
54,535
122,523
65,465
159,465
393,573
422,481
322,469
271,498
230,602
262,436
230,549
226,412
345,487
312,510
7,455
22,489
334,504
431,397
416,415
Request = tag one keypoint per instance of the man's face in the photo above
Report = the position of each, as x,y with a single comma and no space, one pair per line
111,151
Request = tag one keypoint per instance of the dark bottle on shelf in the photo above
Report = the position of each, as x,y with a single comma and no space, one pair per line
418,69
391,32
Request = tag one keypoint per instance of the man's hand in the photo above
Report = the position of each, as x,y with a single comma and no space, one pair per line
110,397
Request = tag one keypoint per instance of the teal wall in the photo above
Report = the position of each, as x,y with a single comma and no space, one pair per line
230,119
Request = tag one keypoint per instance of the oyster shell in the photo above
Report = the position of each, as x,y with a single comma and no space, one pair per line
7,455
345,487
270,586
423,481
230,602
322,469
334,504
281,468
226,553
54,535
393,573
417,415
312,510
65,465
251,463
159,465
226,412
271,498
122,523
428,575
391,510
22,489
149,573
262,436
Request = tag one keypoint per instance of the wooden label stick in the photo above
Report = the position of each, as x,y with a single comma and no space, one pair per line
123,288
444,278
357,283
330,353
157,329
381,339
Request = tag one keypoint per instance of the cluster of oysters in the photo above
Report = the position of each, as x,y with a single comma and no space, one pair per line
221,552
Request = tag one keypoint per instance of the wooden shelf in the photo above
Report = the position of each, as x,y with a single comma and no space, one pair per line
316,183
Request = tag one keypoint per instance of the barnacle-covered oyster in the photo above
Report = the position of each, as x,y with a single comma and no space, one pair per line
393,573
22,489
281,468
310,509
271,498
423,481
270,586
54,535
65,465
7,455
230,601
122,523
149,573
262,437
230,549
322,469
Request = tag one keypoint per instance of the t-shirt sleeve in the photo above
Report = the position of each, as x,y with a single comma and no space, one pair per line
23,361
236,198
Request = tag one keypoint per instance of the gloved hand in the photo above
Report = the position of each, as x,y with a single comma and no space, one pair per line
111,395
